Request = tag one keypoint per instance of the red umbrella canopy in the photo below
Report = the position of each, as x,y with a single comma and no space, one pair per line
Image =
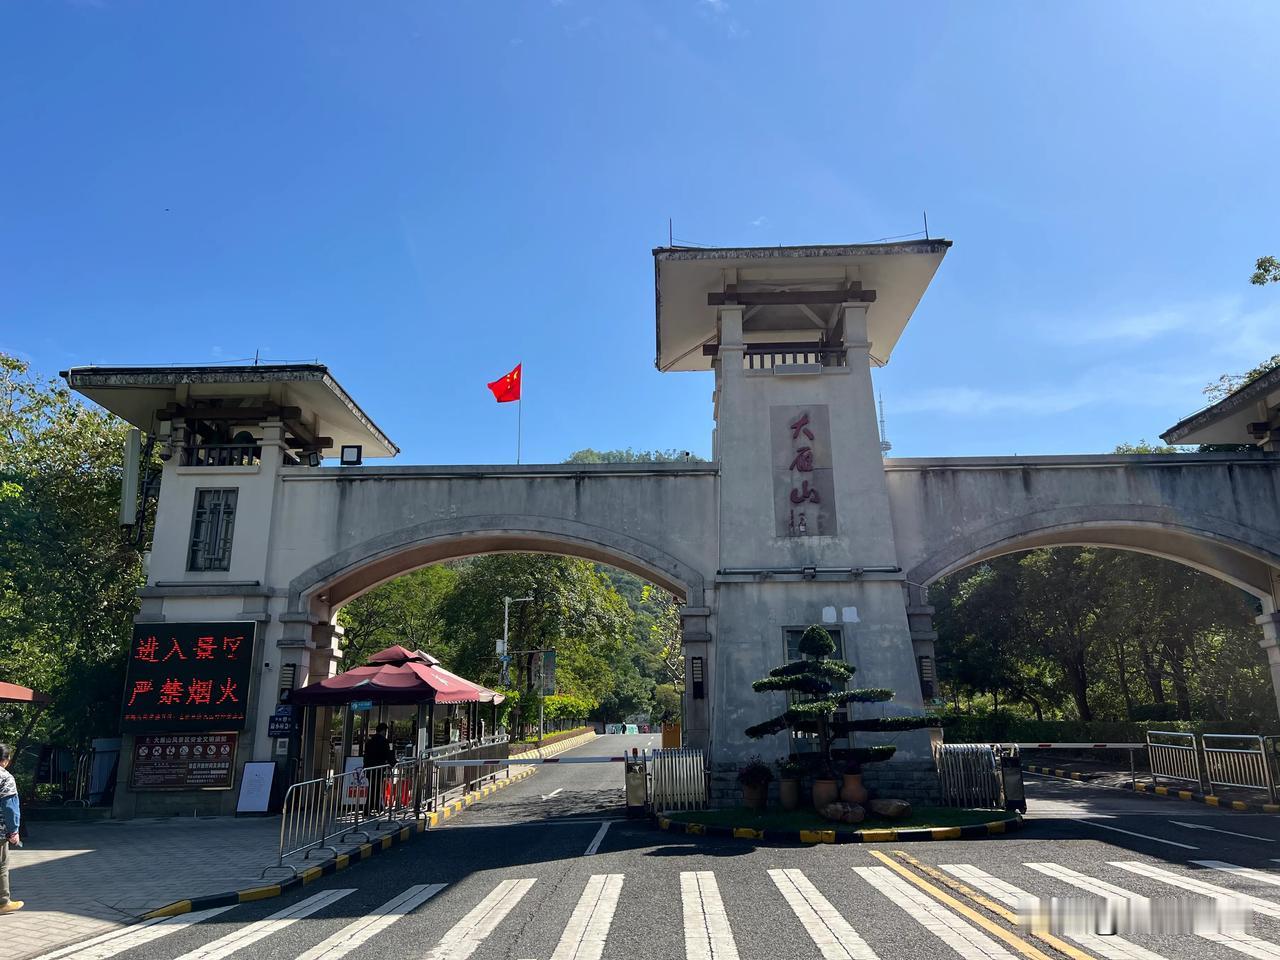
12,693
394,675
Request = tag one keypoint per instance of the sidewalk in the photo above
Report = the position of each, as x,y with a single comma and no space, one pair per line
81,879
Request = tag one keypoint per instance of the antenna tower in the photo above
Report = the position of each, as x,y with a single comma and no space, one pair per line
885,445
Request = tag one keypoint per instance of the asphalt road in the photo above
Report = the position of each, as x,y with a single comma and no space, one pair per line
549,868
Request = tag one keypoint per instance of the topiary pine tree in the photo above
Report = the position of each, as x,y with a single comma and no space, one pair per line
820,681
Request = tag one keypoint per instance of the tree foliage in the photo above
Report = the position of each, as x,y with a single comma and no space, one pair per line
1266,270
820,701
1229,383
1096,634
68,579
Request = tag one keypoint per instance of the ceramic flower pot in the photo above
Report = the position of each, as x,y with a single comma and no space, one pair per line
824,792
853,791
755,795
789,794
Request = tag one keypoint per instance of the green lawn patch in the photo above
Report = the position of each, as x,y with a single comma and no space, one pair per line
777,819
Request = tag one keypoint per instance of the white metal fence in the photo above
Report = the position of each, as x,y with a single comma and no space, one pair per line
1240,760
677,779
969,774
1173,756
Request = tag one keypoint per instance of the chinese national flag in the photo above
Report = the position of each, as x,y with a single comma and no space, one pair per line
505,389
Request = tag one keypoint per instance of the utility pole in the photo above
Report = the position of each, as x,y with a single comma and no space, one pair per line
503,658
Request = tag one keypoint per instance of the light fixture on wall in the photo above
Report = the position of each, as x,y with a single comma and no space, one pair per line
313,459
352,455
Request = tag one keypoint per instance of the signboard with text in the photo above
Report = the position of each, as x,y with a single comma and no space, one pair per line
188,676
183,761
804,492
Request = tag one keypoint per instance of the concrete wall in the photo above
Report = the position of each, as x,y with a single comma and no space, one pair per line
308,540
1219,512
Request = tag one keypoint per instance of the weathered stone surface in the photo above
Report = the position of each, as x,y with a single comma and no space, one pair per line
890,808
842,812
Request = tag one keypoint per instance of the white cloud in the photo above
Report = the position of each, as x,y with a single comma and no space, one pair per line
1101,386
759,221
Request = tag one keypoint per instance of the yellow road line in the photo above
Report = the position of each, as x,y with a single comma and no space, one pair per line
1015,941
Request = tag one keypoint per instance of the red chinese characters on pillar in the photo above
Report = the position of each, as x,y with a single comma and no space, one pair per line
802,462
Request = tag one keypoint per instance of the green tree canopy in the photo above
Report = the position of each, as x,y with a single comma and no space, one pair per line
68,578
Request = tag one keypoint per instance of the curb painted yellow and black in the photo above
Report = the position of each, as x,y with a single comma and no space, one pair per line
365,850
343,860
886,835
1197,797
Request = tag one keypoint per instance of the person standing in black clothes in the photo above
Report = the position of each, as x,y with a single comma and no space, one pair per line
378,752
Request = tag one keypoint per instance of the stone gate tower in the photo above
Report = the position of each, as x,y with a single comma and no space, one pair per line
804,525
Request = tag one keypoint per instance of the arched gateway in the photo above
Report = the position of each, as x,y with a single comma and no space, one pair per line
798,518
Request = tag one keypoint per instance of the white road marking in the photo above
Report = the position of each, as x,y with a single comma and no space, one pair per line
548,796
1196,886
706,925
118,941
465,936
588,927
1240,942
594,845
1110,946
1248,872
1230,833
961,936
1144,836
830,932
358,933
252,932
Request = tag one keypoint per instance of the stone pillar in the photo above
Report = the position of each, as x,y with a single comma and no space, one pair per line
1270,624
923,639
699,676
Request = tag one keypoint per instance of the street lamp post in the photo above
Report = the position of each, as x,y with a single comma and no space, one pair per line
503,657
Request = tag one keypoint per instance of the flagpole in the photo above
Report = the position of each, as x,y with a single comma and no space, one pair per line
519,420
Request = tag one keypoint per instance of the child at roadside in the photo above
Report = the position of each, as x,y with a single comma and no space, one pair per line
10,820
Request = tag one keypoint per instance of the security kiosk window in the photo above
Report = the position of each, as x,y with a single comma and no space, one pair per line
211,529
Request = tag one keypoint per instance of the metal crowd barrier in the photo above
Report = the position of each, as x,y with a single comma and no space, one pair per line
318,814
678,779
1240,760
1173,756
969,774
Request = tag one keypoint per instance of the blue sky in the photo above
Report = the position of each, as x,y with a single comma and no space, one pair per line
422,194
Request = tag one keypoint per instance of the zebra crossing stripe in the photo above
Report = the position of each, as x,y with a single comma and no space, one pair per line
256,930
356,934
1265,907
1110,946
465,936
830,932
1246,872
118,941
1240,942
588,927
963,938
707,935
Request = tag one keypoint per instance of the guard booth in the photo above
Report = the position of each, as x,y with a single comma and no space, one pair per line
428,709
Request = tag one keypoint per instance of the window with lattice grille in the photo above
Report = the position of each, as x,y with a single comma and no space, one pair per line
211,529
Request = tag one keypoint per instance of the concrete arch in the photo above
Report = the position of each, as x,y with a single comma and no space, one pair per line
1234,553
346,575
